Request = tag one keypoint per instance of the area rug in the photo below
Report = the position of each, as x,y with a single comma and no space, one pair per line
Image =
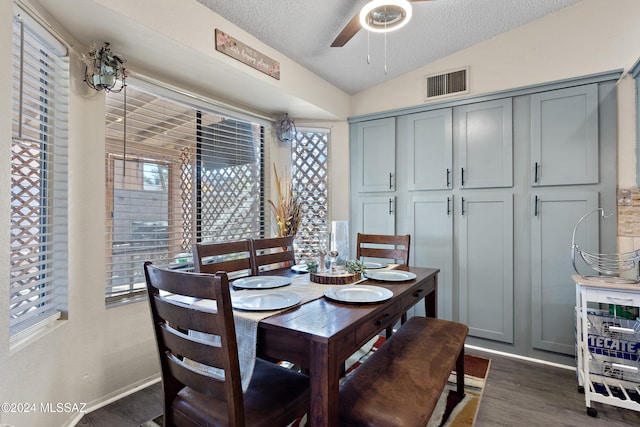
450,410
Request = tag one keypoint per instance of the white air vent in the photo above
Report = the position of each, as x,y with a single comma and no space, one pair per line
446,84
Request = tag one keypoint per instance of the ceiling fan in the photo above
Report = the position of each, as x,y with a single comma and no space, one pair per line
377,16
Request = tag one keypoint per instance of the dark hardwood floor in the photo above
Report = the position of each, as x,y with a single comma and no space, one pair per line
518,393
524,393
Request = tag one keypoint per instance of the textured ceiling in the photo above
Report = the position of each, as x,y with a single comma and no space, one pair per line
303,30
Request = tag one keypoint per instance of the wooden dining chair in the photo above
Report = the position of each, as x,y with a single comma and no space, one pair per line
274,253
384,246
194,396
235,258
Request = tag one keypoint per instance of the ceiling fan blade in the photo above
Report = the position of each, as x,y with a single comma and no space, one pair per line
350,30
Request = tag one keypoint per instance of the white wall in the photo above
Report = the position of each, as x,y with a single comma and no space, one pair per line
98,353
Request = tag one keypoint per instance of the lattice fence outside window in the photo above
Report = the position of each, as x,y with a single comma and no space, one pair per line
309,159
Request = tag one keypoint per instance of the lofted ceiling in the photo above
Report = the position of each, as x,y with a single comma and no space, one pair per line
302,30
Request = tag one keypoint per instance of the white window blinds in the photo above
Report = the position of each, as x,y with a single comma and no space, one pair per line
38,251
177,173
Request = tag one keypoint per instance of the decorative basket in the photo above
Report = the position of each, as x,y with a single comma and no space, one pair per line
610,266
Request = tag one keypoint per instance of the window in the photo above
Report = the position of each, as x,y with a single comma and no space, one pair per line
309,159
38,251
177,173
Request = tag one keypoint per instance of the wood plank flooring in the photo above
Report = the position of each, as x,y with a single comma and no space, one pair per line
518,393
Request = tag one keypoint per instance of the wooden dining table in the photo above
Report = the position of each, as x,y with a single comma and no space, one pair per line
321,334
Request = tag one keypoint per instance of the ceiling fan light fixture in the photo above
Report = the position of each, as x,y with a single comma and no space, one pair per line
381,16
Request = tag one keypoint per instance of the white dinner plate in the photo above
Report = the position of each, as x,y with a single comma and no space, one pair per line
390,275
358,294
300,268
374,265
264,300
261,282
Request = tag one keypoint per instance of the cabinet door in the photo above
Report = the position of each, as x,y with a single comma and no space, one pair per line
554,217
486,265
430,148
564,136
376,215
485,144
431,227
376,161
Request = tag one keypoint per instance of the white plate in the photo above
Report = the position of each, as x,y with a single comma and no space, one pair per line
358,294
261,282
264,300
300,268
374,265
390,275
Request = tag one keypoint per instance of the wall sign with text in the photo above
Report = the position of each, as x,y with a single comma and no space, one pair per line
243,53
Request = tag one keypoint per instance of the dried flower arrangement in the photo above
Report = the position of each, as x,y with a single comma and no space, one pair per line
286,209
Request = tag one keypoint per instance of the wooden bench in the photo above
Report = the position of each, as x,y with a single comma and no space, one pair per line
400,384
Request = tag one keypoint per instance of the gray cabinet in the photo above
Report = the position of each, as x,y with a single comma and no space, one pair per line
485,144
430,150
375,215
564,136
490,190
430,224
485,264
376,147
554,216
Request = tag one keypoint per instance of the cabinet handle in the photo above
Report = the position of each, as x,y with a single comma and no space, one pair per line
462,206
384,319
535,206
535,173
448,174
448,206
390,185
462,177
390,210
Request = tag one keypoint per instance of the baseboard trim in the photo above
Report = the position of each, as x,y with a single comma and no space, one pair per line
114,396
517,356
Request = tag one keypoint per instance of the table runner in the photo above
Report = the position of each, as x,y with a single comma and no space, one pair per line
246,322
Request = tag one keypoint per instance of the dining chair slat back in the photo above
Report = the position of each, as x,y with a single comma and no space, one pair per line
193,320
386,246
231,257
201,377
173,319
272,254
